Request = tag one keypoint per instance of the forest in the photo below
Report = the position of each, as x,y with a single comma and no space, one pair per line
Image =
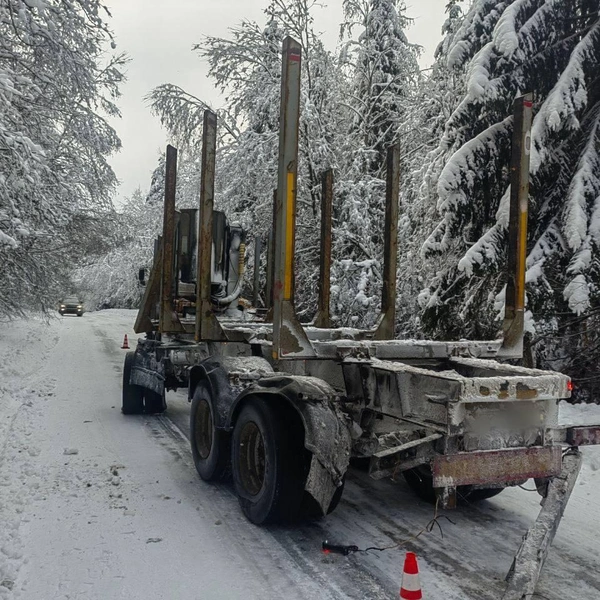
60,80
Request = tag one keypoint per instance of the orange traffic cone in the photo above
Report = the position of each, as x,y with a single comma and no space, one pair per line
125,345
411,586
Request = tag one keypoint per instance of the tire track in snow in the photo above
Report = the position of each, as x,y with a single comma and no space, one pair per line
470,562
279,545
363,517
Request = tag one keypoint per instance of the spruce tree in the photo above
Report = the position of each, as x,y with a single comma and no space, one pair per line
505,48
438,96
383,74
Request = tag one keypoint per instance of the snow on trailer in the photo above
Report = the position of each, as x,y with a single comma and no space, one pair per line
282,406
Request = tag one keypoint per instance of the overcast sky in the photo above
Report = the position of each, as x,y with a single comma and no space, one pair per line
158,36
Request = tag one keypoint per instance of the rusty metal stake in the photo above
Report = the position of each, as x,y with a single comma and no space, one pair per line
168,321
514,312
387,319
271,262
147,311
208,327
322,318
289,337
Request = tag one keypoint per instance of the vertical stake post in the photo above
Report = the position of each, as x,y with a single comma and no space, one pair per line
387,319
289,338
256,286
271,262
322,319
514,312
151,299
167,320
208,327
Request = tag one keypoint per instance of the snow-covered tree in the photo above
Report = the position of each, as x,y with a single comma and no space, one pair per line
246,68
442,89
382,80
505,48
57,86
385,69
108,278
437,97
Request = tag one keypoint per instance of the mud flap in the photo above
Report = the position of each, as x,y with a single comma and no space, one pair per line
147,371
529,560
327,436
320,485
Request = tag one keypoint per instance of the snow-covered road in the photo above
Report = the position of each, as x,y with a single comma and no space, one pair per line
96,505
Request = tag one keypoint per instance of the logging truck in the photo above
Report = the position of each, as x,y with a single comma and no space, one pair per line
282,406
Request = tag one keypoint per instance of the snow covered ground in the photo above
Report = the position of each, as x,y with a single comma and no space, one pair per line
95,505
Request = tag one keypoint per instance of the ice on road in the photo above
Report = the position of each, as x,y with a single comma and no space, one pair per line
96,505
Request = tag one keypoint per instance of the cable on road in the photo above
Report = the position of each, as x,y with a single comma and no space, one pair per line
328,548
527,489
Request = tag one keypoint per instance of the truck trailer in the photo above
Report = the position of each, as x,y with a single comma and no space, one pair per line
281,407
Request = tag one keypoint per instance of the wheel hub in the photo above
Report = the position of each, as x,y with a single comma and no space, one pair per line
252,459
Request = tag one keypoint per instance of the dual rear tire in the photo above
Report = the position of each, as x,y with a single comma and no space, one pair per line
210,446
264,455
269,463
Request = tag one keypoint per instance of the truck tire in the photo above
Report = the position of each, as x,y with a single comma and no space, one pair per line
211,448
483,494
420,480
133,395
268,463
154,403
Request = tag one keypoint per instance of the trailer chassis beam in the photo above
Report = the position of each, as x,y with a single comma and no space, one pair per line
529,560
